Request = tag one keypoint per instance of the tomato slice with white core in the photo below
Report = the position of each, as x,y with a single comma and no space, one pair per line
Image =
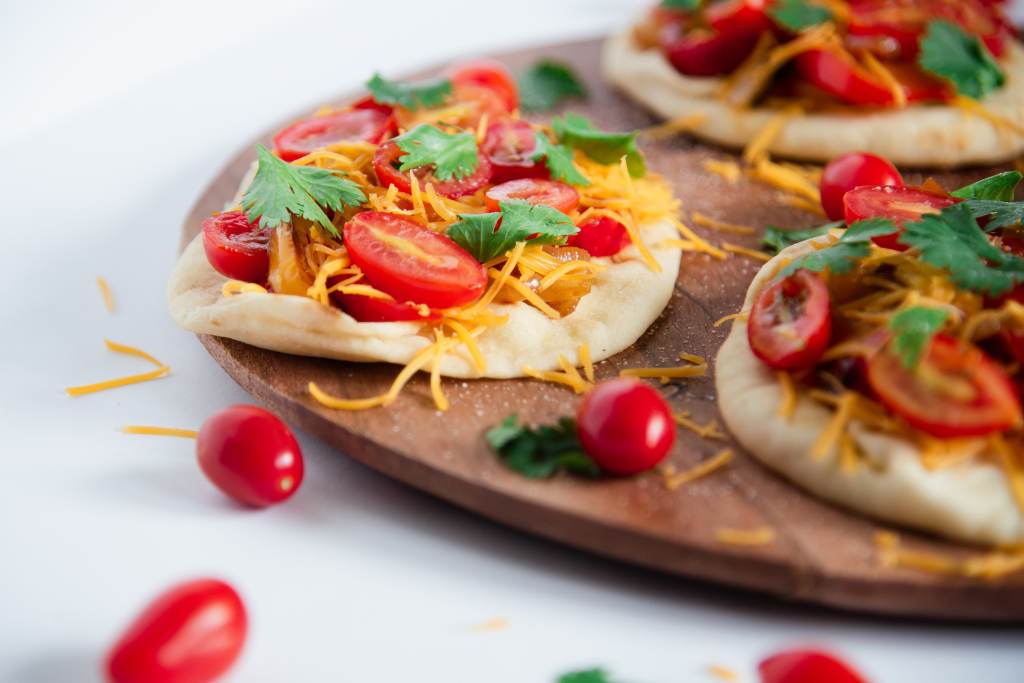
355,125
192,633
368,309
956,390
625,426
251,455
602,236
734,18
412,263
838,74
902,22
485,74
557,195
697,53
790,323
386,161
898,204
510,145
807,666
236,247
848,171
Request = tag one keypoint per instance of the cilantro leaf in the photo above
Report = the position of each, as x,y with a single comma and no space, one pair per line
487,235
559,160
546,83
913,329
950,53
280,190
687,5
409,95
605,148
796,15
539,453
778,239
999,187
586,676
853,245
952,240
1001,214
451,154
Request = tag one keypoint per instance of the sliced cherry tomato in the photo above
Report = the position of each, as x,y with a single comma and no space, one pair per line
736,18
237,248
307,135
192,633
956,390
1013,340
625,426
791,322
368,309
851,170
898,204
412,263
251,455
510,145
470,77
807,666
551,193
903,22
839,74
602,236
696,53
369,103
386,163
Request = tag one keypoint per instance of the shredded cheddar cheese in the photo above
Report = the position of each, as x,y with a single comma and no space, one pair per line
708,222
233,287
741,316
160,431
496,624
588,365
974,108
746,251
161,371
711,430
673,479
764,535
836,426
729,171
723,673
108,297
757,150
990,566
672,127
788,404
879,71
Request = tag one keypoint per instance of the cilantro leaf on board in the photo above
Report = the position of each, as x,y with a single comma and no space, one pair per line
953,241
451,154
778,239
559,160
605,148
586,676
914,328
1000,214
409,95
950,53
687,5
796,15
539,453
545,84
280,190
853,245
999,187
484,237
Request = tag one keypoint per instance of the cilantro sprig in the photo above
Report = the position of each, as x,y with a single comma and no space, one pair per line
280,190
999,187
603,147
586,676
841,257
539,453
546,83
685,5
778,239
950,53
409,95
487,235
796,15
913,329
453,155
559,160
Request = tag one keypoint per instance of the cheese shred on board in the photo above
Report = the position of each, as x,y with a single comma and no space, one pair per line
764,535
673,478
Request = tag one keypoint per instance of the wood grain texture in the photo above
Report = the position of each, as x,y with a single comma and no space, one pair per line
821,554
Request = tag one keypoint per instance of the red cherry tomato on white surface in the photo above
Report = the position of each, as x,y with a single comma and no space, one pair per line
237,248
509,145
807,666
251,455
369,124
557,195
601,236
192,633
851,170
898,204
791,322
625,426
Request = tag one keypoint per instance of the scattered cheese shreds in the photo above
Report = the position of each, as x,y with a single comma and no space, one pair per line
496,624
588,365
108,297
679,372
899,95
973,107
132,351
708,222
233,287
674,479
723,673
729,171
161,371
160,431
741,316
709,431
990,566
746,251
836,426
745,537
788,403
758,148
672,127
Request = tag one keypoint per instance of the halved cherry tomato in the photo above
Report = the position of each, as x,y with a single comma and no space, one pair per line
368,309
251,455
386,163
510,145
956,390
791,322
302,137
736,18
903,22
806,666
469,77
412,263
551,193
851,170
601,236
625,426
697,53
898,204
192,633
237,248
839,74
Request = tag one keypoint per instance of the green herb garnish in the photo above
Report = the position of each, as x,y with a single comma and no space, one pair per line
950,53
853,245
796,15
685,5
545,84
913,329
409,95
487,235
539,453
778,239
999,187
605,148
586,676
453,155
559,160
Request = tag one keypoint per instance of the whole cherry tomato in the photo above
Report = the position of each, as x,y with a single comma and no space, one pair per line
557,195
485,74
237,248
625,426
791,322
192,633
251,455
851,170
602,236
806,666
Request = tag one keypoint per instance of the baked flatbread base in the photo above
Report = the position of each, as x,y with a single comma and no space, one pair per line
971,501
626,298
934,135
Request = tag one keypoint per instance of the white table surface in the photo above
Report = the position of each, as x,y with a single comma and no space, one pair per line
114,117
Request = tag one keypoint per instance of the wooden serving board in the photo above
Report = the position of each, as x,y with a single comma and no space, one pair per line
821,554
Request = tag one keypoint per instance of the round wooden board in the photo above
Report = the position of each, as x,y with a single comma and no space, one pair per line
821,554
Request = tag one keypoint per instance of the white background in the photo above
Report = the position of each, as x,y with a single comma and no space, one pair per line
113,118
